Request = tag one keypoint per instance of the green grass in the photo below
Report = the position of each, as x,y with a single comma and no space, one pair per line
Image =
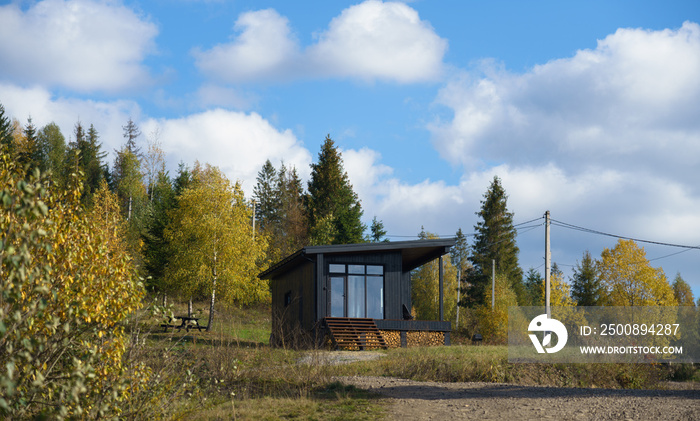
231,370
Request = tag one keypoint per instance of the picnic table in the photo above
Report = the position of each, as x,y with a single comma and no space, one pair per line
186,322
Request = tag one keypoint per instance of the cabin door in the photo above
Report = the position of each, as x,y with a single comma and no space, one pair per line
337,296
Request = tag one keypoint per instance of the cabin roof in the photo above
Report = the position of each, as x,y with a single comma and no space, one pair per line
414,253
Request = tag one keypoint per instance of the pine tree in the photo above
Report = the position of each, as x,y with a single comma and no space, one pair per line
494,240
331,201
585,284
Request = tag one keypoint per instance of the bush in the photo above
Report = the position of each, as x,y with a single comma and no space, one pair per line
67,286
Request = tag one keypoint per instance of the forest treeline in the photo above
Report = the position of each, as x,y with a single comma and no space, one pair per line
194,233
188,231
83,241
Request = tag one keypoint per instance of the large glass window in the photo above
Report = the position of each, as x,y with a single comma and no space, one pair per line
357,290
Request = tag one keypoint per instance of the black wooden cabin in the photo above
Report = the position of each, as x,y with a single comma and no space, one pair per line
328,291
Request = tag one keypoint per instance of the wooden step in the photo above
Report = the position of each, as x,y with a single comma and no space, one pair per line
354,333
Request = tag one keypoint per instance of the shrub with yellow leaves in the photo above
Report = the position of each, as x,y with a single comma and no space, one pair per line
67,287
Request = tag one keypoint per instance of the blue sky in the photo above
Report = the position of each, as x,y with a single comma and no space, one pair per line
584,108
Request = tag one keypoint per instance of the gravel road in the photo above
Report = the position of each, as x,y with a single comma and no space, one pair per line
412,400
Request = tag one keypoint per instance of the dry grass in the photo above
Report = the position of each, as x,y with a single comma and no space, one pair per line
231,372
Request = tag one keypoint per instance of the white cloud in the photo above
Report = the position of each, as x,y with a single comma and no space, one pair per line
78,44
238,143
380,40
209,95
606,139
265,48
631,103
368,41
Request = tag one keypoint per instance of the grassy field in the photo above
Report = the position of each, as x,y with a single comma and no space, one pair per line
232,373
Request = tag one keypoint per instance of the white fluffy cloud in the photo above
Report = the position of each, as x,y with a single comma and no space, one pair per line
79,44
631,103
265,48
379,40
371,40
238,143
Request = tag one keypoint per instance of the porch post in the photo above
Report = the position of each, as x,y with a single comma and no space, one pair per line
440,276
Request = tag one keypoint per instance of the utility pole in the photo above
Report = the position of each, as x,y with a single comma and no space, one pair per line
441,288
493,284
459,284
547,266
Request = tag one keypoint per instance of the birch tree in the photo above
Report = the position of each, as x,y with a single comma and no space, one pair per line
211,237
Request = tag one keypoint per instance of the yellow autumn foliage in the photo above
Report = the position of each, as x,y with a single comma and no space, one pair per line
67,287
493,322
630,280
215,252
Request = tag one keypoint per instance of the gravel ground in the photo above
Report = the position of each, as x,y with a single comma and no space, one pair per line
339,357
412,400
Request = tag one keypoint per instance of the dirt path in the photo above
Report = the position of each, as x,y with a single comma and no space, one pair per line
411,400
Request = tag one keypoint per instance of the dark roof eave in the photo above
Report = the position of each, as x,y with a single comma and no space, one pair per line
440,246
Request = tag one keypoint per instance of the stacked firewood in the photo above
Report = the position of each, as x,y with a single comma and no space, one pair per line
392,338
424,338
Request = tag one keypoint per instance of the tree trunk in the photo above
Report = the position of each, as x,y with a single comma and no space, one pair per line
189,308
213,296
211,306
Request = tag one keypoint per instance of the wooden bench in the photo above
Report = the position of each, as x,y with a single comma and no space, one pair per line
186,323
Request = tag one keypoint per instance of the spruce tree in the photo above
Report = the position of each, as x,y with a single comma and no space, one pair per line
682,291
585,284
91,160
6,140
266,196
291,213
333,207
494,240
32,153
156,251
377,230
533,286
131,132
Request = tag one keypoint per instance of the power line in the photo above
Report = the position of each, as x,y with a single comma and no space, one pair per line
592,231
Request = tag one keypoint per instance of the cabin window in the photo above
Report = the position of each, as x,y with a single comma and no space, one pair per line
288,298
356,291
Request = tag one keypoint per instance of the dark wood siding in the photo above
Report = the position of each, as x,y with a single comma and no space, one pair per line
298,282
413,325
